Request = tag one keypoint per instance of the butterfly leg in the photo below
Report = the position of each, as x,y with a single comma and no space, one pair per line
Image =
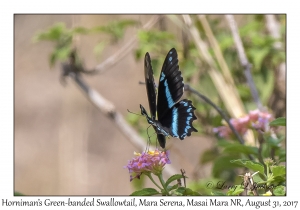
148,140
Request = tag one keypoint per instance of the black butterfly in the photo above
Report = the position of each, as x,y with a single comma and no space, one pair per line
174,118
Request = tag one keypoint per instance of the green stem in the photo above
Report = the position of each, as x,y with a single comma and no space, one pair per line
151,178
163,183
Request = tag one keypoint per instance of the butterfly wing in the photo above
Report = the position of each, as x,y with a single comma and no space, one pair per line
171,85
150,85
179,119
151,92
176,117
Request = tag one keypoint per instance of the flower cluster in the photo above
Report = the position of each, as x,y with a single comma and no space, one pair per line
148,162
254,120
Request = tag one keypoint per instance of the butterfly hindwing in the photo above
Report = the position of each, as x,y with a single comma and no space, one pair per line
150,85
179,119
171,85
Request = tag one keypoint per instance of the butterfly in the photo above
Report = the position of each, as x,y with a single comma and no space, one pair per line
174,117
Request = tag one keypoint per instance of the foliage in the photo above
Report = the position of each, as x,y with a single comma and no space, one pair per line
229,156
63,37
265,161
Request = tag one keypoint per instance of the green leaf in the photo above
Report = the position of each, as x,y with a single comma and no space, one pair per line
281,121
218,193
258,55
236,190
173,178
18,194
53,34
223,143
279,190
239,148
63,53
208,155
195,193
185,191
222,164
278,170
99,48
265,83
145,192
258,179
175,186
278,179
116,29
274,142
190,192
254,166
80,30
282,156
180,191
60,54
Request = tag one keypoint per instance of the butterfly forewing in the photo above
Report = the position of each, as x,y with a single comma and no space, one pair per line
171,85
150,85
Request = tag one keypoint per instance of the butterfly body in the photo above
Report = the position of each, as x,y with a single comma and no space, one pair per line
174,117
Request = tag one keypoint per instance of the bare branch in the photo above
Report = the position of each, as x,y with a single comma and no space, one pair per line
243,59
223,115
217,50
225,89
119,55
274,29
108,108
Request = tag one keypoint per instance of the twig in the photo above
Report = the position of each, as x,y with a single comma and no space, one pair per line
119,55
207,100
249,183
226,90
217,50
243,59
184,177
278,97
223,115
107,108
274,29
187,87
260,156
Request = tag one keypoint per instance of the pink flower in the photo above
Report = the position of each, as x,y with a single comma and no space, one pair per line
148,162
222,131
255,119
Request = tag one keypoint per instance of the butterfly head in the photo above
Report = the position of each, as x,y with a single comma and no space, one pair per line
144,113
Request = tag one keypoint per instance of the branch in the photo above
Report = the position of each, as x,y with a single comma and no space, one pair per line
107,108
226,90
187,87
207,100
243,60
216,48
274,29
119,55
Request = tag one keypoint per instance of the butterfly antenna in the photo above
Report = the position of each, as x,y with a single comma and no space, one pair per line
143,83
133,113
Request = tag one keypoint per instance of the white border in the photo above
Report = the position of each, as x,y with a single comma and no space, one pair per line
153,6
